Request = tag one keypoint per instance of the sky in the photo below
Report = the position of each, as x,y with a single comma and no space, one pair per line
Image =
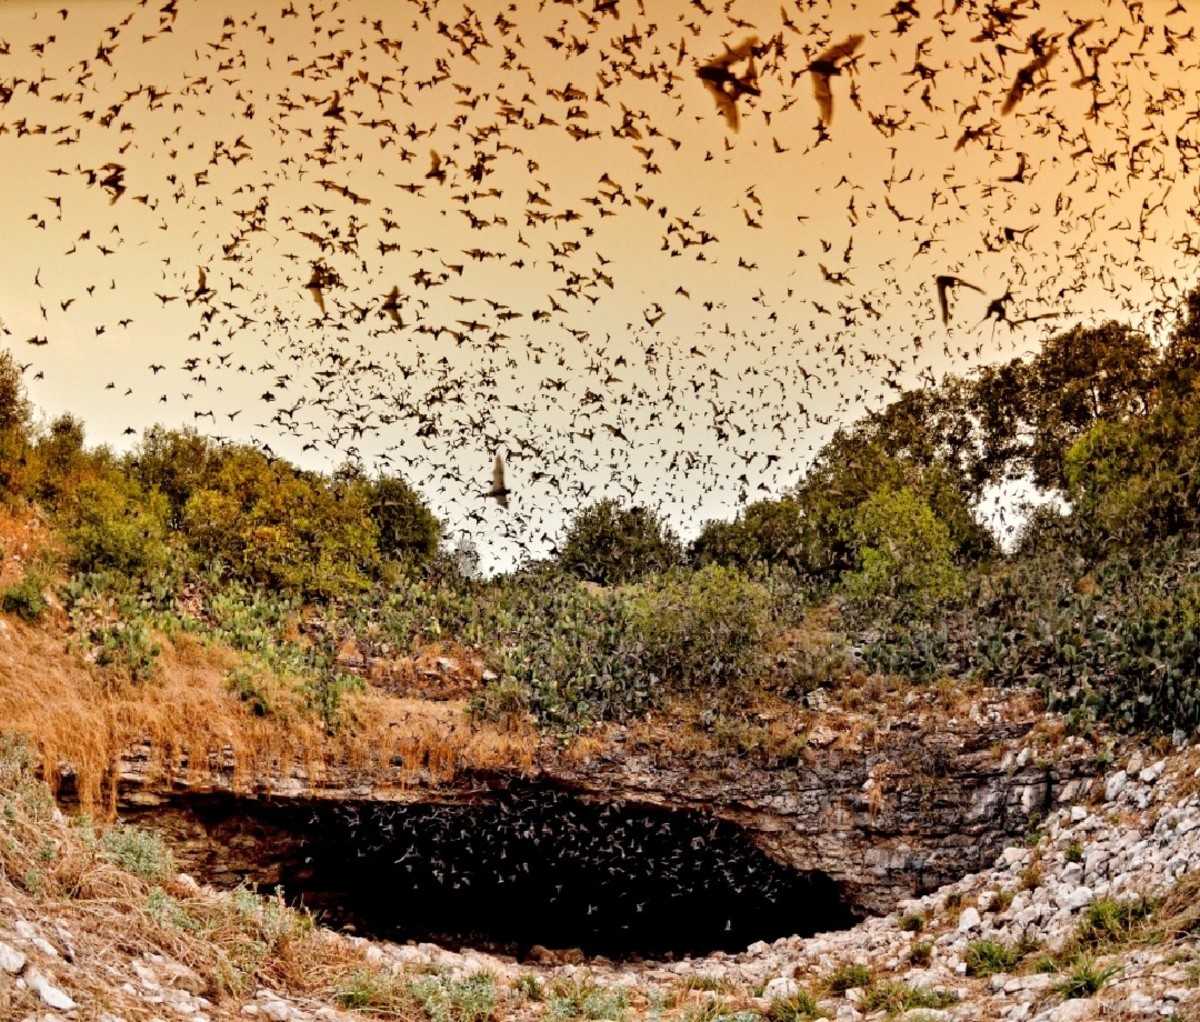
419,234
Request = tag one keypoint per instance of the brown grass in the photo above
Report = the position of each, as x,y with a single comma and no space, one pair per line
220,945
83,718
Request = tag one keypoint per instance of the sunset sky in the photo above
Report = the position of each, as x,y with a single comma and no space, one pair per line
536,234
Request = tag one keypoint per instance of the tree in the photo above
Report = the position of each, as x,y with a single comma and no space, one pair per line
904,550
855,465
177,462
611,545
15,416
274,525
769,532
408,530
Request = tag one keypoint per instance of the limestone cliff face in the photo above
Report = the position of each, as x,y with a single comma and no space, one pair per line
914,807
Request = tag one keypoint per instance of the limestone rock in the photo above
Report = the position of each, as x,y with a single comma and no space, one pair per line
51,996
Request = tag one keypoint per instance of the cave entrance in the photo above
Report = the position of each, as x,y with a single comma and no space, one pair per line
512,869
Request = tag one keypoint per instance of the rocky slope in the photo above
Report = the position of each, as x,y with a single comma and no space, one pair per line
1100,901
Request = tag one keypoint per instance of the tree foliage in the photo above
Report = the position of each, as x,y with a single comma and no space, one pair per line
610,545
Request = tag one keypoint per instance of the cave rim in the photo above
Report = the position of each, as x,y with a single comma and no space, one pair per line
709,918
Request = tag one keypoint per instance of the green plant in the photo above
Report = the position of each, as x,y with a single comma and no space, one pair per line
583,999
897,997
800,1007
528,986
1086,977
701,629
610,545
384,995
1111,922
849,976
911,922
1074,852
26,598
471,999
921,953
1001,899
987,957
142,852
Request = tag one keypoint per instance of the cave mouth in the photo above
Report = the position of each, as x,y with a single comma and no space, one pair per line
517,868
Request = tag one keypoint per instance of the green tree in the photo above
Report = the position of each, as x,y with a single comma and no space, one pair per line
407,529
113,525
274,525
176,462
905,551
610,545
769,532
15,416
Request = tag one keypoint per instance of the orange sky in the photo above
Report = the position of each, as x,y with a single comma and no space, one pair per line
596,275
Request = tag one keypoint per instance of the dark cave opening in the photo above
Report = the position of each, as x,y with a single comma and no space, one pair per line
513,869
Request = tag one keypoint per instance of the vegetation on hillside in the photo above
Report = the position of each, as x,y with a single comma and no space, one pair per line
1096,605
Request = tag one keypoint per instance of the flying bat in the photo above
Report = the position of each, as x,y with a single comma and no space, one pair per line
499,491
726,87
944,283
824,68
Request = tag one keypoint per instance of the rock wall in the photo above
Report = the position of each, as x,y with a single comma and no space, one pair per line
913,807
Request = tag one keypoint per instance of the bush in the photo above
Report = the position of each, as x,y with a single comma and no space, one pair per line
904,551
769,532
275,526
987,957
407,529
610,545
1086,977
850,977
800,1007
143,853
27,598
701,629
113,525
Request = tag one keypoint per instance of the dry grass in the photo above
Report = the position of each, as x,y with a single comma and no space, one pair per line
104,918
83,718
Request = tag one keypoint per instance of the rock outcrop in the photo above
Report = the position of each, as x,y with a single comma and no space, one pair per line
887,811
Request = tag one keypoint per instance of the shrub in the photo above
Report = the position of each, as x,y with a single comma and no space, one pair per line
769,532
850,976
610,545
1086,977
897,997
921,953
701,629
278,527
1110,922
800,1007
26,598
407,530
141,852
987,957
113,526
904,551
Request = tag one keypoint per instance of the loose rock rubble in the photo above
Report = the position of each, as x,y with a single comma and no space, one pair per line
1139,835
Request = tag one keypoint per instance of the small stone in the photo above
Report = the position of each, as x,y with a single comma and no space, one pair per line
969,920
781,988
1115,785
1085,1009
1078,814
11,960
276,1011
51,995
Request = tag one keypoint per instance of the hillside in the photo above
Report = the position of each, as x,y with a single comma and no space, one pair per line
844,703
